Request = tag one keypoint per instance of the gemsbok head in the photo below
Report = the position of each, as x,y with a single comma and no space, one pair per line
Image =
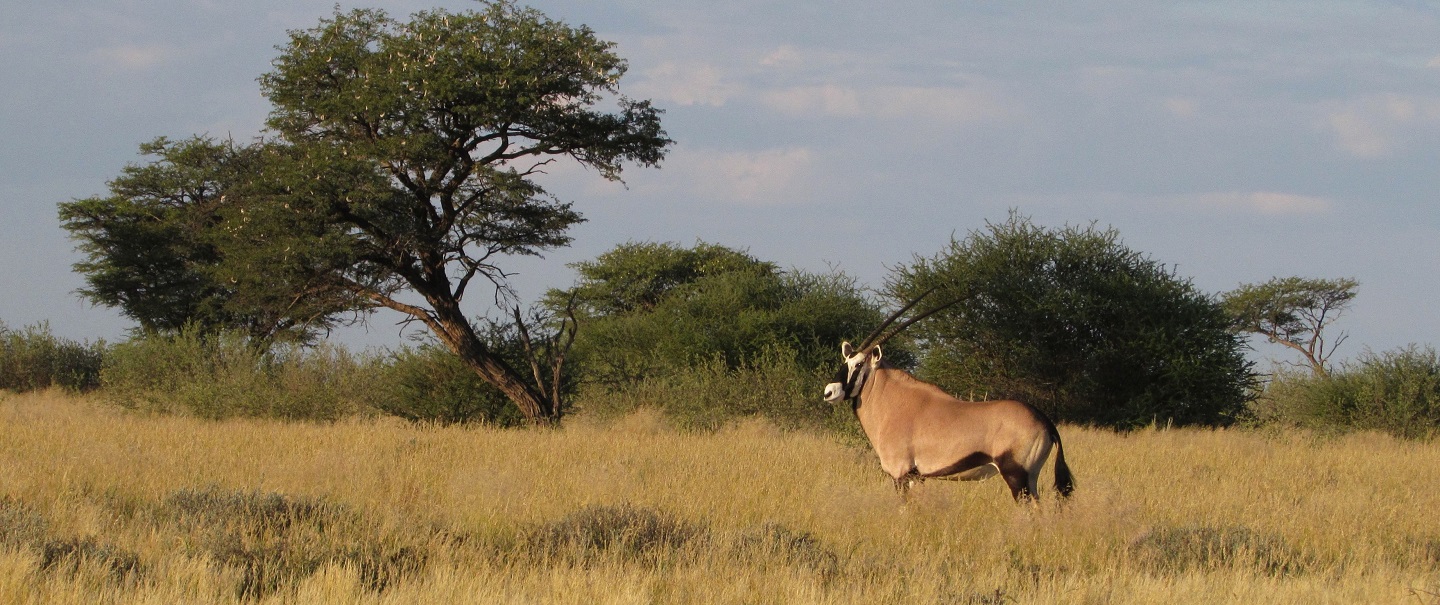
920,432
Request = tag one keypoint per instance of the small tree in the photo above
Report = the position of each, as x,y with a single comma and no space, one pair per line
1074,322
1294,312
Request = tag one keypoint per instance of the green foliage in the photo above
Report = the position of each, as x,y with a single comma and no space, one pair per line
1294,312
650,310
708,394
1397,392
226,375
401,163
1074,322
426,134
637,276
32,358
431,384
166,247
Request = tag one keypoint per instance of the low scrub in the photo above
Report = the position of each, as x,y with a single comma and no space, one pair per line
1397,392
1182,549
626,533
32,358
430,384
224,375
710,394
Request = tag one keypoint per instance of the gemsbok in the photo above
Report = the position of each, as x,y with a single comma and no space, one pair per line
920,432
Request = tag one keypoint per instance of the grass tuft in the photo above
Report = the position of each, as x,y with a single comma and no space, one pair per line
776,542
70,556
624,532
1182,549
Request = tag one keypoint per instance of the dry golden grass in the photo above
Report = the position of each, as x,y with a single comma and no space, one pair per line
102,506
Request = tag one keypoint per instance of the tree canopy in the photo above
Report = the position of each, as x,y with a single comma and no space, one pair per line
1294,312
652,308
400,167
1074,322
154,247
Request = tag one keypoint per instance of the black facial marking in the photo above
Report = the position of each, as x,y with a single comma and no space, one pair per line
847,378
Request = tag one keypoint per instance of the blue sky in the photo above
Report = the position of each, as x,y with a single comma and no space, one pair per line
1236,141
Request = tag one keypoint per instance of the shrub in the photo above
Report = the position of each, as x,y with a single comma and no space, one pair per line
1077,324
651,310
707,394
1397,392
32,359
432,384
225,375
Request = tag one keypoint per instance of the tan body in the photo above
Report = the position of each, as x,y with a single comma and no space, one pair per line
920,432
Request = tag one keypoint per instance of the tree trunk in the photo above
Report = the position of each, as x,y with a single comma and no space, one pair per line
459,336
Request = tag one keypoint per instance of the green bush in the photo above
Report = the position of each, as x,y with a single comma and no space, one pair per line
1076,323
709,334
32,359
1397,392
224,375
432,384
709,393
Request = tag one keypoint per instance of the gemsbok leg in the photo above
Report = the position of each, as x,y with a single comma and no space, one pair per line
1021,480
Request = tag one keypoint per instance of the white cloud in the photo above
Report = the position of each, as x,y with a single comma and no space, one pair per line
1377,126
828,100
784,56
945,105
1358,135
1270,203
771,176
1180,107
687,84
940,105
132,57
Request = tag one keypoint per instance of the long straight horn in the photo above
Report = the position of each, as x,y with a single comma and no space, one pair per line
869,340
906,323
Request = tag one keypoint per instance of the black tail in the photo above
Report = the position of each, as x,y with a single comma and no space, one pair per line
1064,481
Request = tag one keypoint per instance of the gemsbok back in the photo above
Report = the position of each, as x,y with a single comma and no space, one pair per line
920,432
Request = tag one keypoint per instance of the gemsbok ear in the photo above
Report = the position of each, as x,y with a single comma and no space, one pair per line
847,350
875,355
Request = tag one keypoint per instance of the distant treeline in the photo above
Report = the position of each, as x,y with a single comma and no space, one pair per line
1069,320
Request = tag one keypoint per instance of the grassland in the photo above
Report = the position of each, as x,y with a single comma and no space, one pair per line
98,505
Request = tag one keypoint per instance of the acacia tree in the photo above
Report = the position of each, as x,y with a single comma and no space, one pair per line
1294,312
445,119
401,170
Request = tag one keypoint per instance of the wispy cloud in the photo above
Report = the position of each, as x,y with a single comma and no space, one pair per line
770,176
1262,203
132,57
827,100
1180,107
1270,203
936,104
687,84
1379,125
